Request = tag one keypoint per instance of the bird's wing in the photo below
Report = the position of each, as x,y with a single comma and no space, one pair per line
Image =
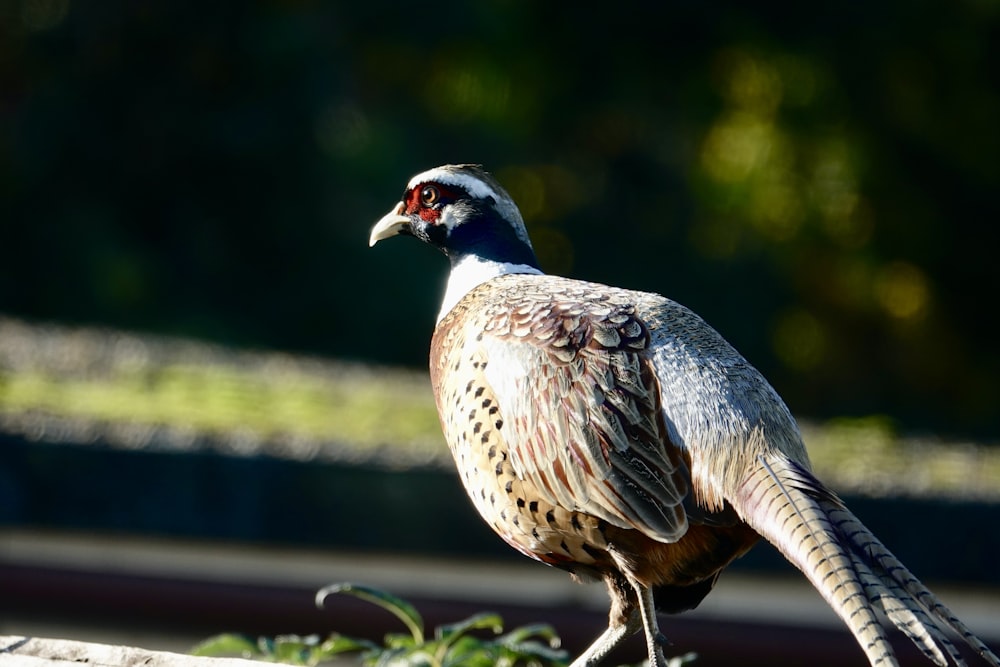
581,408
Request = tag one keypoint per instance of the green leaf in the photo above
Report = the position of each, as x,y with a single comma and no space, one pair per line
484,620
265,645
453,646
402,609
228,644
522,645
535,652
408,657
468,651
292,650
533,631
399,640
336,644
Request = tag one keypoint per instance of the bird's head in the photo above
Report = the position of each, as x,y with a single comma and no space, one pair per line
464,212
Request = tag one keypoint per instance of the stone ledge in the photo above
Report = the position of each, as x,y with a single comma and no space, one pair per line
43,652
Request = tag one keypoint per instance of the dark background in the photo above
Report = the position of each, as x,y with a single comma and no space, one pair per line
820,182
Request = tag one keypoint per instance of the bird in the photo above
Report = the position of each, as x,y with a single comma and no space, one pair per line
616,435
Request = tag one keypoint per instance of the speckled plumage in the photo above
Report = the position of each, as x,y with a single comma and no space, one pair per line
616,435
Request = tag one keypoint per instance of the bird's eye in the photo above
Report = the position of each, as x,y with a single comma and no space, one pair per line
429,195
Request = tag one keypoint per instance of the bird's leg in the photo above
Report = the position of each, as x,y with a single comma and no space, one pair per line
642,617
608,640
624,620
632,609
654,638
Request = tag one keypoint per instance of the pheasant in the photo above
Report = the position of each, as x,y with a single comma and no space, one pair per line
615,435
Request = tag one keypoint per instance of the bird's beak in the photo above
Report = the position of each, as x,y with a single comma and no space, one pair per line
391,224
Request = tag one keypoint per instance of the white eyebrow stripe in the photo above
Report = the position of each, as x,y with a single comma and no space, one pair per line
470,184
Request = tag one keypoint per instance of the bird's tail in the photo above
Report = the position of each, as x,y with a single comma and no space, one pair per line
848,565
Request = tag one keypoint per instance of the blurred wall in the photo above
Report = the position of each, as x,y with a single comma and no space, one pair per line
820,183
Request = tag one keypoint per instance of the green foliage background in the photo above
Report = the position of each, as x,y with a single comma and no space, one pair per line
820,182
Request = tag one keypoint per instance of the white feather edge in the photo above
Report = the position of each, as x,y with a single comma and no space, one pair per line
474,186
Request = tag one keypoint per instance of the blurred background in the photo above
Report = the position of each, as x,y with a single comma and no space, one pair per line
197,345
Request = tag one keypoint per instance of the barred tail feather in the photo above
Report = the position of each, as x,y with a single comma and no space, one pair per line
779,501
848,565
909,618
905,587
